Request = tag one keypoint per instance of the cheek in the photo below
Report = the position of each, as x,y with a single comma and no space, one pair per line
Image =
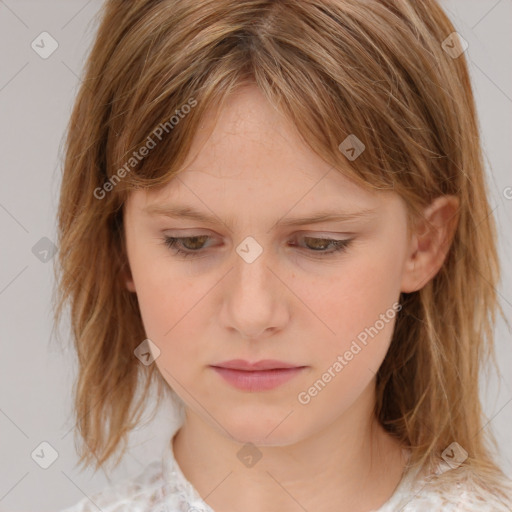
354,308
358,311
166,315
156,289
172,309
165,304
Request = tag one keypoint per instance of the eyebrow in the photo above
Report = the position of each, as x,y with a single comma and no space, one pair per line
187,212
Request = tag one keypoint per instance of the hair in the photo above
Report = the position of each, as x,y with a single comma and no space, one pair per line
374,69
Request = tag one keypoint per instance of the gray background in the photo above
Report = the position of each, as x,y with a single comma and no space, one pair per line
36,375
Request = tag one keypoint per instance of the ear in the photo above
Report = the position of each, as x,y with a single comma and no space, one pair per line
430,241
126,273
126,276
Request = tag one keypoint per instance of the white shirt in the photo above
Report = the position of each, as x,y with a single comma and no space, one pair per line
162,487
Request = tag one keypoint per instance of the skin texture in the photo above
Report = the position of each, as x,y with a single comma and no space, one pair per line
291,304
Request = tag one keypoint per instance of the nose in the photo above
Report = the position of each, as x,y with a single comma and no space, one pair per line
254,299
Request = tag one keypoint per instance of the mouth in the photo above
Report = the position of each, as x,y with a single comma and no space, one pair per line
264,364
258,376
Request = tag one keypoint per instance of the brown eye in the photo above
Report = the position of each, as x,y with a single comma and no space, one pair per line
197,242
318,244
182,249
321,244
194,245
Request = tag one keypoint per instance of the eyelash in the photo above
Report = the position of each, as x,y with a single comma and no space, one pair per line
172,243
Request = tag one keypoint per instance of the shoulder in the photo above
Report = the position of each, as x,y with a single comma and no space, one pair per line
457,490
139,494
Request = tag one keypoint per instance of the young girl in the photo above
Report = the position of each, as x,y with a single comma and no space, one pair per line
276,211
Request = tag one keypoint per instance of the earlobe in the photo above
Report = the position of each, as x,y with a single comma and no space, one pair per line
126,276
429,243
130,285
126,273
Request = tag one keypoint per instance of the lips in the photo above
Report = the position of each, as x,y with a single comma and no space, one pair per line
264,364
258,376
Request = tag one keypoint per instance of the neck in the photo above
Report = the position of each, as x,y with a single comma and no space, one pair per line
348,466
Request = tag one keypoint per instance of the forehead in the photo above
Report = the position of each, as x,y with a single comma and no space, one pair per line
247,157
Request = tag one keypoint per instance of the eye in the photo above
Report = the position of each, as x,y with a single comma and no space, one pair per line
319,245
177,243
194,245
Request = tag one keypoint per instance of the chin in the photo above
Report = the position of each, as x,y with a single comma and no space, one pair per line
272,430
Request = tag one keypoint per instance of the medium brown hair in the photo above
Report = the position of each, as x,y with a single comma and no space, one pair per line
376,69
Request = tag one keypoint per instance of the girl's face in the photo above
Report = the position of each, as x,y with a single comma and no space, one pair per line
259,281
